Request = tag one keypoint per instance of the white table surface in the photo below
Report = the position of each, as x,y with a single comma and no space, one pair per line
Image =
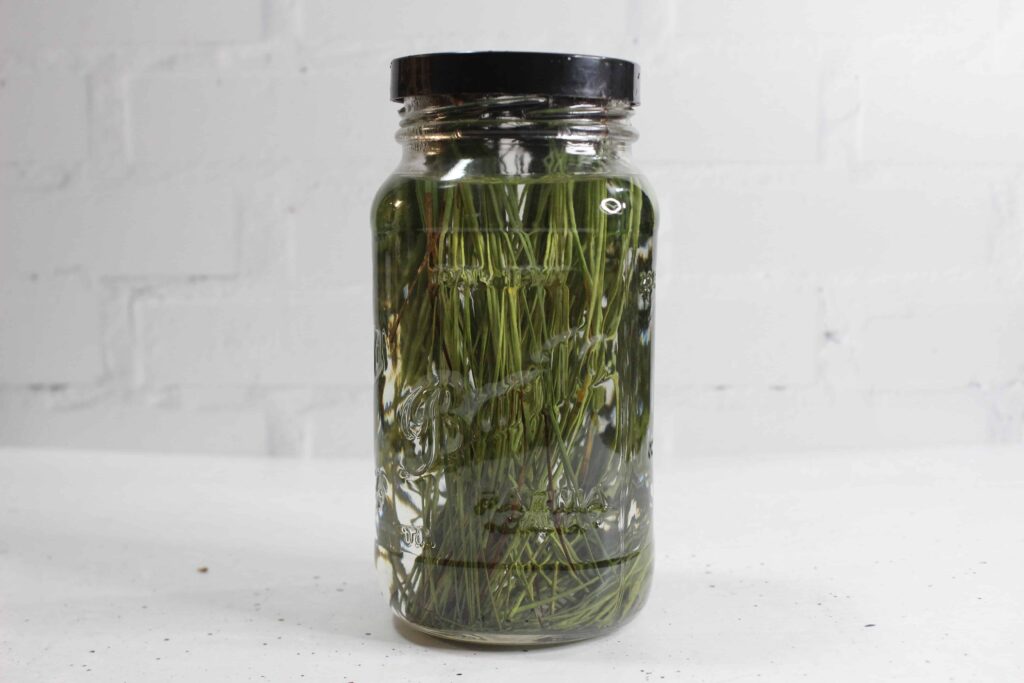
897,566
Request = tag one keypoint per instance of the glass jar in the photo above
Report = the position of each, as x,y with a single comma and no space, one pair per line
514,273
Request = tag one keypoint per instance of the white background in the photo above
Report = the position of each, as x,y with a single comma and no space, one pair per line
185,190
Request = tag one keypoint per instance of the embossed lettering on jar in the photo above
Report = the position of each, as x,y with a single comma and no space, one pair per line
514,280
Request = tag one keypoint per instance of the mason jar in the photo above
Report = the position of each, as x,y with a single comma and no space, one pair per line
514,278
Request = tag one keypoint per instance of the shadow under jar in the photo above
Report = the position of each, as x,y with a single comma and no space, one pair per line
513,272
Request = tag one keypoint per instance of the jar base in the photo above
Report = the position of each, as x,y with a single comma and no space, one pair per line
500,640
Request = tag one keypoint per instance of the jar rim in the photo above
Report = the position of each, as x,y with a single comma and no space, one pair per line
523,117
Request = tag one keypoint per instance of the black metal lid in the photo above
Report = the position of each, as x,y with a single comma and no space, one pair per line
515,73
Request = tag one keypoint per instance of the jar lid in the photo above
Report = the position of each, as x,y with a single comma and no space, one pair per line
515,73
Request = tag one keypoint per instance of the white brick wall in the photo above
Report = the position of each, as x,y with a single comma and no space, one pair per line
61,23
169,228
185,190
936,337
331,239
981,121
132,427
303,338
43,117
50,333
905,222
867,18
248,117
705,115
735,335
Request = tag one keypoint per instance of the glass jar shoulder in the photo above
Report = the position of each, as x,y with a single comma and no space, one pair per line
410,195
498,160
